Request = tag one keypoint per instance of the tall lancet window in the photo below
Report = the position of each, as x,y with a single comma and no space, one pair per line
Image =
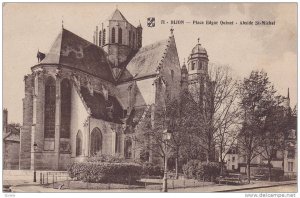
96,141
79,143
120,36
113,35
65,108
100,36
128,148
104,34
50,99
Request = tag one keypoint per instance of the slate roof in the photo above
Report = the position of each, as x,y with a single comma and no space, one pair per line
145,62
71,50
117,16
100,108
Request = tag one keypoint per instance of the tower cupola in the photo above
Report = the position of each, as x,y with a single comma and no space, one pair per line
198,61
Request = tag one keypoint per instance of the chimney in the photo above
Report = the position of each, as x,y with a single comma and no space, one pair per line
40,56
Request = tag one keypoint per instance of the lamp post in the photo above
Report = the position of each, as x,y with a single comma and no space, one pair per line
34,169
166,137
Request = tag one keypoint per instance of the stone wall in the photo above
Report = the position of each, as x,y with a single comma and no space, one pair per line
25,132
79,121
11,155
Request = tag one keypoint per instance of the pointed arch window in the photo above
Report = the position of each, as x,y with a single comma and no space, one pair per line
113,35
50,99
120,36
96,141
128,148
79,143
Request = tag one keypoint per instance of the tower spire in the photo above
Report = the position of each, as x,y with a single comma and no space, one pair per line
288,95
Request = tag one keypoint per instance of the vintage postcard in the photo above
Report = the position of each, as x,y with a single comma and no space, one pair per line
150,97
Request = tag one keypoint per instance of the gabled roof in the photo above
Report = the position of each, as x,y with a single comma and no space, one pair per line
145,62
117,16
71,50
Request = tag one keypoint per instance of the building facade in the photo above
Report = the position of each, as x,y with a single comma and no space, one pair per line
11,144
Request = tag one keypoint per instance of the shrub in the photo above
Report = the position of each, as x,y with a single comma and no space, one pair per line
210,170
104,172
196,169
106,158
152,170
190,168
276,173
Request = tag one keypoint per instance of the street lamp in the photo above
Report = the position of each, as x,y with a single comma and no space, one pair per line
35,146
166,136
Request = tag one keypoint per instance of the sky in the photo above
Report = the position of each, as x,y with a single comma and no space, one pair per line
29,27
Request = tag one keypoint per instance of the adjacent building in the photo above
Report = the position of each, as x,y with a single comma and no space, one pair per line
11,144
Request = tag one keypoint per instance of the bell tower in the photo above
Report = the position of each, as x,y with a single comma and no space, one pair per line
120,40
198,78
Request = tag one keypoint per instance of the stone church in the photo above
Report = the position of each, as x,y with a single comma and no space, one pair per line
83,98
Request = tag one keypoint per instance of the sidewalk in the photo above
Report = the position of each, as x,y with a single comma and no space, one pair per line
231,188
206,189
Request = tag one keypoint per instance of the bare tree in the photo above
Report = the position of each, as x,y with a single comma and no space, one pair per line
272,138
256,99
149,136
215,98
